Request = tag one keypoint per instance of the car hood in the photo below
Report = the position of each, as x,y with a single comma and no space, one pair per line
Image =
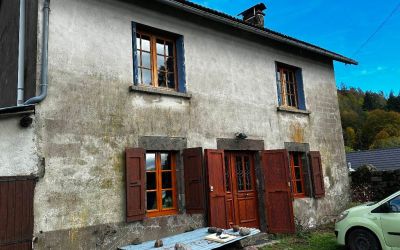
362,207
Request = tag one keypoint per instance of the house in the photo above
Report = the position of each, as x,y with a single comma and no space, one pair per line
125,121
381,159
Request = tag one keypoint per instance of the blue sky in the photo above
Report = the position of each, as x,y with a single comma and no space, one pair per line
340,26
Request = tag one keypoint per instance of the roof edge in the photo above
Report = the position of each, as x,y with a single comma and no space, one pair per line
262,32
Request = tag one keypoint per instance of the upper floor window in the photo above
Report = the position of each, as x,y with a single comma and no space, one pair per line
158,59
290,86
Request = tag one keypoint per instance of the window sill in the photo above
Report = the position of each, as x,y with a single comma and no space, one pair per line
17,111
293,110
158,91
153,214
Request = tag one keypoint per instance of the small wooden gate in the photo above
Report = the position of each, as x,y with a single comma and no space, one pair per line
16,212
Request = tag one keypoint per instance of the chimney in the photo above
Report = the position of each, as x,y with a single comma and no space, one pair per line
255,15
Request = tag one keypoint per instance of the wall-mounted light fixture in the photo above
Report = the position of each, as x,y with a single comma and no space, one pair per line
26,121
241,136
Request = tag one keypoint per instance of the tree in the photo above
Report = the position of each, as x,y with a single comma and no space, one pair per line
377,121
390,142
349,137
393,102
374,101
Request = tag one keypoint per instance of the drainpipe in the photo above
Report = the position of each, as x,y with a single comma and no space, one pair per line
45,52
21,54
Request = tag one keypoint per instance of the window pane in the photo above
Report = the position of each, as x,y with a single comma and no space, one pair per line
299,187
171,80
151,200
162,79
247,173
296,159
146,60
160,47
291,80
165,161
150,161
146,76
138,41
146,43
166,180
170,64
151,182
167,199
297,173
169,48
239,173
161,63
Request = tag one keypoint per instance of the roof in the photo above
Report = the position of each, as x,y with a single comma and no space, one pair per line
382,159
240,24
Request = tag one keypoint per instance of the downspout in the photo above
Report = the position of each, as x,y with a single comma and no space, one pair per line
45,52
21,54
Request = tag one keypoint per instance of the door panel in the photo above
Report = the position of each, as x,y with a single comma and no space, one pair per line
218,215
278,197
391,223
243,189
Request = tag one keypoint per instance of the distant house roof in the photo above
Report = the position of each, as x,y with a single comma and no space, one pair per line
240,24
382,159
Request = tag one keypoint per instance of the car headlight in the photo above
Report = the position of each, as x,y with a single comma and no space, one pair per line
342,216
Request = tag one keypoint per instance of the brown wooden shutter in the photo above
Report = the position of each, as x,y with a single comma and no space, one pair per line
135,184
216,181
317,174
194,180
278,196
16,212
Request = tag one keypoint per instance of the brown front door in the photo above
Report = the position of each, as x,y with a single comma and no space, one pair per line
240,187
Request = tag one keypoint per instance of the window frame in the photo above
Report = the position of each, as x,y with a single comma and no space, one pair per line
153,59
160,211
282,81
293,179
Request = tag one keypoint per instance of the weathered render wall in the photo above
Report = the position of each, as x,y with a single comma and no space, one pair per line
18,150
90,116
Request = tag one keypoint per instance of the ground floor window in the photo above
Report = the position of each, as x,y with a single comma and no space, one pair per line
160,183
297,162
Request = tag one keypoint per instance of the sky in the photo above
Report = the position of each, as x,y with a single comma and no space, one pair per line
341,26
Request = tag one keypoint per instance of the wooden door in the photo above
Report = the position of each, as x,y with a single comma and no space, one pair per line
278,196
241,194
216,187
244,189
16,213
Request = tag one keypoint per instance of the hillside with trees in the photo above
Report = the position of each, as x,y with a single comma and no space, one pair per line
369,120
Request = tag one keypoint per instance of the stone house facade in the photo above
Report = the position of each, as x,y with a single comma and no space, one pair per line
157,117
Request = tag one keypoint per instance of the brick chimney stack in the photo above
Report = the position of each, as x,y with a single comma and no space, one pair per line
255,15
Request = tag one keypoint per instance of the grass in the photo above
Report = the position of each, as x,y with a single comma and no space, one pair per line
320,239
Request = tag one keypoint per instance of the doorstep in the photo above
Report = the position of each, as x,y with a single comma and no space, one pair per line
193,239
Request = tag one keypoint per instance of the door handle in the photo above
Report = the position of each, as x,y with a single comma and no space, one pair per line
211,188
